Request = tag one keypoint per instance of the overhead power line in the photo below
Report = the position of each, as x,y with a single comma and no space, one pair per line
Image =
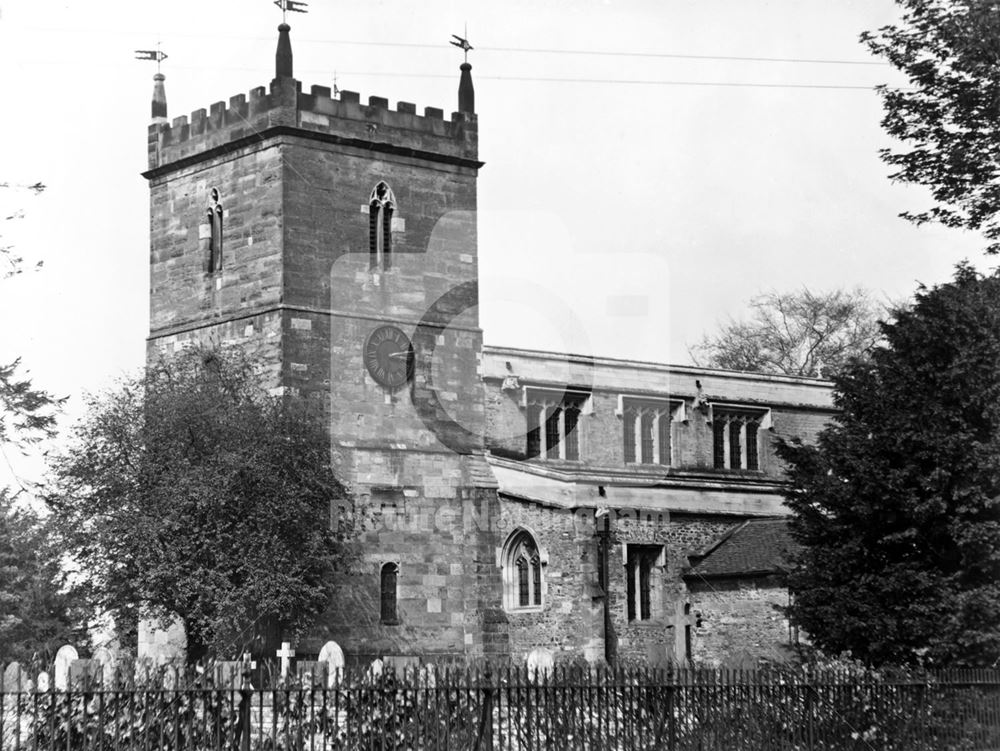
611,53
517,50
630,81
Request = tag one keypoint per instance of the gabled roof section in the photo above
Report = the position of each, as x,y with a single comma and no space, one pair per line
756,548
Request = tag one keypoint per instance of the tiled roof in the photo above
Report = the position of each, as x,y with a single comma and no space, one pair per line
759,546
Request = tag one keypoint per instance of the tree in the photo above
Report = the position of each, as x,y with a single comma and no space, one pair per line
897,506
38,613
37,609
795,333
949,51
189,492
27,414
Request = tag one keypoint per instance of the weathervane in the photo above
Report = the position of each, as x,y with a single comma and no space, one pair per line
461,43
156,55
295,6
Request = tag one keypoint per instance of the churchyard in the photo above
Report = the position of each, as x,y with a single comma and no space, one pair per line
108,701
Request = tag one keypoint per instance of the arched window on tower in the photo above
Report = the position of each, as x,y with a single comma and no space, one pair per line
389,595
381,205
522,572
214,220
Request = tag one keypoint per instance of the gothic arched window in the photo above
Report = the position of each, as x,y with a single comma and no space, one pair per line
522,572
214,219
381,205
389,593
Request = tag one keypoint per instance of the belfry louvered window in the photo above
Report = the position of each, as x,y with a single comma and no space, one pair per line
646,430
214,221
553,423
381,205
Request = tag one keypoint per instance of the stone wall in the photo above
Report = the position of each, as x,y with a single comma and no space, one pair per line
570,621
741,621
448,591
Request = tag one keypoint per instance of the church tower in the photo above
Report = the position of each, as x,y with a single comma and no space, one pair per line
336,241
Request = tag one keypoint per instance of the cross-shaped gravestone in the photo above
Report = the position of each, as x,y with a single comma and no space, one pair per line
285,654
64,658
683,624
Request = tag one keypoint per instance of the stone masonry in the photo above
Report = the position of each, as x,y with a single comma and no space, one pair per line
438,469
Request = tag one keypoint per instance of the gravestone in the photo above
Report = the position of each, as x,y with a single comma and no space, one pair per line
540,662
229,673
312,671
83,673
43,681
333,657
375,669
15,679
285,654
400,664
169,678
107,665
64,658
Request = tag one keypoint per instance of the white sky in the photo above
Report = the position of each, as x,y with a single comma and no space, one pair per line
621,219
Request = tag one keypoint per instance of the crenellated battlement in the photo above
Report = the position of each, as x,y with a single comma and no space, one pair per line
343,120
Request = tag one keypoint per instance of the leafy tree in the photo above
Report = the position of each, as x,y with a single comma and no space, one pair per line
192,493
898,505
949,51
27,414
795,333
37,610
38,613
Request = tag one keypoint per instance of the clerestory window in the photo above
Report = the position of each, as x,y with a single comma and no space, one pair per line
647,430
553,419
736,436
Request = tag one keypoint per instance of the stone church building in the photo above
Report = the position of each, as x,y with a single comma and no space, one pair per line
512,499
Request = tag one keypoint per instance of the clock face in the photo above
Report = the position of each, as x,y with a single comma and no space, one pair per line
389,356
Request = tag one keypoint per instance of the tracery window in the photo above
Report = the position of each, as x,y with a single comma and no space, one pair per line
522,572
646,430
389,593
553,419
736,436
214,220
381,205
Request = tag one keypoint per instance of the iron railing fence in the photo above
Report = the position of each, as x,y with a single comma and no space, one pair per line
503,708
